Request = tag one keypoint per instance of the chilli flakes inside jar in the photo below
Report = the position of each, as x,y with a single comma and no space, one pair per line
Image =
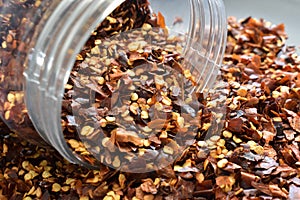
130,100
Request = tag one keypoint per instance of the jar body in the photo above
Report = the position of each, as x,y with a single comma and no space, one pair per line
41,41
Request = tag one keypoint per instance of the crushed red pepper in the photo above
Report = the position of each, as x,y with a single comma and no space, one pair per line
257,155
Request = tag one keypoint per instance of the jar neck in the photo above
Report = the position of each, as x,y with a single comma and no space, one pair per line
64,32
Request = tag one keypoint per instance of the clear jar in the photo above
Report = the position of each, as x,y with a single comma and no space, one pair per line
41,39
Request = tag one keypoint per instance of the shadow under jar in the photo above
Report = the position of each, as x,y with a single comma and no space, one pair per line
109,81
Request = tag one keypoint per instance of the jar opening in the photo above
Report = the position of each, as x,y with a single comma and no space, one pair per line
131,97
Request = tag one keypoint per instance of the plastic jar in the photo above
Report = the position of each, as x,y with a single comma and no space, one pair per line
41,39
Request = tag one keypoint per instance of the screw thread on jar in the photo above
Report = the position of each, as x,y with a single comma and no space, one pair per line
207,36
